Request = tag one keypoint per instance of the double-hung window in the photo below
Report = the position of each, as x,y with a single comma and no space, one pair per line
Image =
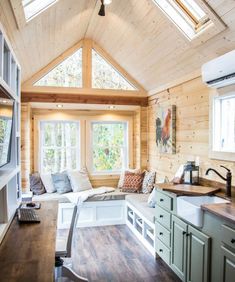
59,146
110,148
223,127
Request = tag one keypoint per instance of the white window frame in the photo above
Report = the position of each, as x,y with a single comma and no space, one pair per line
209,30
129,143
56,117
215,151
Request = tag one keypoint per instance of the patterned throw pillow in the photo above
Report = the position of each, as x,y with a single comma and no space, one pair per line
122,176
148,182
36,185
132,182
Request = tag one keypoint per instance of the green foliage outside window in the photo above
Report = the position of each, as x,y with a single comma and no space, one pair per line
109,146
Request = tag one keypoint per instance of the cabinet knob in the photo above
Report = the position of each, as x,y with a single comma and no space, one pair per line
233,241
161,200
160,233
184,232
161,250
161,216
188,234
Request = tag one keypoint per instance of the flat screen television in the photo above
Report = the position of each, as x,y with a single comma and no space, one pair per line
6,123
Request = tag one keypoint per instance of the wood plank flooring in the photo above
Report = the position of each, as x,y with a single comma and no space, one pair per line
112,253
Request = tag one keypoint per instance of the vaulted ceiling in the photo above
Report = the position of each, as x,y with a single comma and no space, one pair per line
134,32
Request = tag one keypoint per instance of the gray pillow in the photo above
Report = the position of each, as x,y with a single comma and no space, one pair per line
36,185
61,183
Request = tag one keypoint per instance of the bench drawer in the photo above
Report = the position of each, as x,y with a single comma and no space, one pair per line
163,234
228,236
163,251
164,201
163,217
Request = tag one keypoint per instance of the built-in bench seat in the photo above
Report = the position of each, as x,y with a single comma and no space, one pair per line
139,201
111,196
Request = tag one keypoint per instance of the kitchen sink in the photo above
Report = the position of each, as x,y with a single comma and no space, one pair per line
189,208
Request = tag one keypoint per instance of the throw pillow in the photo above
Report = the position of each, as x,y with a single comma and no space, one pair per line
47,182
152,199
79,180
36,185
132,182
148,182
122,176
61,183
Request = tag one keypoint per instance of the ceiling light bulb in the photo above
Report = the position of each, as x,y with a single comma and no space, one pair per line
107,2
4,101
59,106
111,107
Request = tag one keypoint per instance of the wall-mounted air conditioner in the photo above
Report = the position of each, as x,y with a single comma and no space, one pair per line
220,72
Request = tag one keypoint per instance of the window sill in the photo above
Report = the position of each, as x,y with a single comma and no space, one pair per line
225,156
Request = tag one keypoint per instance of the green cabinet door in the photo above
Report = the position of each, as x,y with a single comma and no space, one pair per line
178,247
228,266
198,245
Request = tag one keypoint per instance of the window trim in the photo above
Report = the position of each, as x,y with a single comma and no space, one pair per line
41,136
89,161
225,92
56,117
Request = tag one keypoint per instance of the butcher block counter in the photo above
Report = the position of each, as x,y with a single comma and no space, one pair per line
188,190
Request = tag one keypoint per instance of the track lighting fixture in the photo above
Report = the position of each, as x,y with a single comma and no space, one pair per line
102,7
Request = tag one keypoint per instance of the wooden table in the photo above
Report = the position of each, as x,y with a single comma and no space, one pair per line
27,253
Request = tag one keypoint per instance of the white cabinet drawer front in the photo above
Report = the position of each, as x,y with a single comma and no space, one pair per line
163,234
164,201
228,236
163,251
163,217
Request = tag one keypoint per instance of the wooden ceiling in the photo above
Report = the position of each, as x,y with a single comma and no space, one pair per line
134,32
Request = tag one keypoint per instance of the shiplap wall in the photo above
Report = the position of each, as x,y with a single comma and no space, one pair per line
192,130
28,153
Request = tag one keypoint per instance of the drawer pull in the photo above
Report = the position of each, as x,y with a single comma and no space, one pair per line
188,234
160,233
161,200
161,216
233,241
184,232
161,250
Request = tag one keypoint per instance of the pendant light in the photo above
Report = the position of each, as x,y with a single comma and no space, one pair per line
102,7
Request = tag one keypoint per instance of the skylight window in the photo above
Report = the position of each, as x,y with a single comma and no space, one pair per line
32,8
187,15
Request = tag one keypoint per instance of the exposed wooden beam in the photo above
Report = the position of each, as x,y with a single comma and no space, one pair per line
83,99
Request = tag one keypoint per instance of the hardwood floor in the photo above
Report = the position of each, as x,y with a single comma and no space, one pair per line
112,253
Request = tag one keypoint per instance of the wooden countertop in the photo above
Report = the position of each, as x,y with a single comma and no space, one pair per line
225,211
184,189
27,253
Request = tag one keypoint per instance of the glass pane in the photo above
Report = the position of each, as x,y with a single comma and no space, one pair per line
228,124
109,149
60,148
66,74
34,7
105,76
194,8
48,160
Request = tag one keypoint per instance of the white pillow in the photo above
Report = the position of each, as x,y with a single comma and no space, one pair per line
152,199
122,176
79,180
48,183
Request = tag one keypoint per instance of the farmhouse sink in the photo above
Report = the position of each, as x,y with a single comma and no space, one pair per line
189,208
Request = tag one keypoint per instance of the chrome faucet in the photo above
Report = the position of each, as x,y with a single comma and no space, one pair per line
228,179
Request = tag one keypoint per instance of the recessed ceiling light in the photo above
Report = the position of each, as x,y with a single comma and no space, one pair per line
111,107
4,101
59,106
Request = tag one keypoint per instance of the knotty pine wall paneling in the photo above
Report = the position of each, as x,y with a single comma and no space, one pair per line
192,131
